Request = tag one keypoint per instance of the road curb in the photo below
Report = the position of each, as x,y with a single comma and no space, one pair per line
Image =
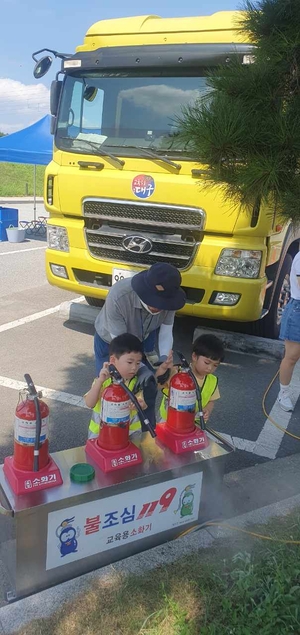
44,604
77,312
238,342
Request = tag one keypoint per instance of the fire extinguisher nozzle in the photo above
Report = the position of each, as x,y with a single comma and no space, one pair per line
30,384
150,428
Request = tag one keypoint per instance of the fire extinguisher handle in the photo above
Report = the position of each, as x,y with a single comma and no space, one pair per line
114,373
30,384
183,360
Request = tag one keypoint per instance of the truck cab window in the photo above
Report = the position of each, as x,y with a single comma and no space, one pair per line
122,110
81,110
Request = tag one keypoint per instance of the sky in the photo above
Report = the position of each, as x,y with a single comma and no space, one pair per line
30,25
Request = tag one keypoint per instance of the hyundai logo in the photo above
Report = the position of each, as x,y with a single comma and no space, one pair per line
137,244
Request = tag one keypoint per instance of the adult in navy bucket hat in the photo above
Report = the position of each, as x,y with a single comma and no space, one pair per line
159,287
145,306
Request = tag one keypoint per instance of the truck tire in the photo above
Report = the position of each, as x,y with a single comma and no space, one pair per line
270,325
94,301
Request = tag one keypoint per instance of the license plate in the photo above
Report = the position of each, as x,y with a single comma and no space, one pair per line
120,274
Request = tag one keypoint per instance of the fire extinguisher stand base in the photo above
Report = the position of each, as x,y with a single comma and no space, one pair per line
23,482
180,443
111,460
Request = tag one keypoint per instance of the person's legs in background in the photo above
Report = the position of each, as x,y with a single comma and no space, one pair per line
150,347
290,333
147,383
150,392
291,356
101,349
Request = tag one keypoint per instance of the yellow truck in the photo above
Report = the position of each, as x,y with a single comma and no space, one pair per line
124,192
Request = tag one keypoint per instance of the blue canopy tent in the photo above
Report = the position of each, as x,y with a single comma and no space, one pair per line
31,145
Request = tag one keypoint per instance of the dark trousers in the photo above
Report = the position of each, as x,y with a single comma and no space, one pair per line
148,385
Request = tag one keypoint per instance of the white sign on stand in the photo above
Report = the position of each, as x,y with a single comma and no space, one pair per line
97,526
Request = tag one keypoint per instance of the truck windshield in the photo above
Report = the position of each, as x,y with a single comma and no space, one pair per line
125,111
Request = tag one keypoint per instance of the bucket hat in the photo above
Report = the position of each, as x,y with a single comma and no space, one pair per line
159,287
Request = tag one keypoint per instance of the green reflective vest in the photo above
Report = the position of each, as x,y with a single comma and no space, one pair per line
207,390
94,426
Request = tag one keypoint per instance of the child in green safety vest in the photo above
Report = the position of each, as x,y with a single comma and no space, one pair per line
125,353
207,354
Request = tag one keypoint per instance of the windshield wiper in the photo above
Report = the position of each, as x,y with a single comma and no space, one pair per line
101,152
154,155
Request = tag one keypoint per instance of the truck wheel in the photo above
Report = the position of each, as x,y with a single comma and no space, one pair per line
270,325
94,301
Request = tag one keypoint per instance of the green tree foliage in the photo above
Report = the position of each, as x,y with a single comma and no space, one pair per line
247,128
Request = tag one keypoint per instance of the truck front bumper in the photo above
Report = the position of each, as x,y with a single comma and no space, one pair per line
85,276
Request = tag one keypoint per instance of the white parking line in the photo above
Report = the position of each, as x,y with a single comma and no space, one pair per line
22,251
269,440
34,316
48,393
28,318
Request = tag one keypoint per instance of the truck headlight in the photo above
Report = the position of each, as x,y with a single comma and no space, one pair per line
58,238
225,299
59,271
239,263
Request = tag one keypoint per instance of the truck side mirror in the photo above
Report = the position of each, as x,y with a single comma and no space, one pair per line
42,67
90,93
55,91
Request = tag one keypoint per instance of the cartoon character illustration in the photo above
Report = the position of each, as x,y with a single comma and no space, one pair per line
186,502
67,537
68,541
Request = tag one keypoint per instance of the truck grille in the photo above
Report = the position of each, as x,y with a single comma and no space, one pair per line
173,233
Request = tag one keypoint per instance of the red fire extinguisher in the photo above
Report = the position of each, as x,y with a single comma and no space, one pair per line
114,418
182,403
115,414
31,431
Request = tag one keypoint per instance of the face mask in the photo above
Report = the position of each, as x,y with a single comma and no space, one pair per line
147,308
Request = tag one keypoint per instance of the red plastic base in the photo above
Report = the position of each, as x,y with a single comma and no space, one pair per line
180,443
111,460
23,482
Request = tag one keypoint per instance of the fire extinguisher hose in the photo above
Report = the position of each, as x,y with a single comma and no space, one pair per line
116,375
33,392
